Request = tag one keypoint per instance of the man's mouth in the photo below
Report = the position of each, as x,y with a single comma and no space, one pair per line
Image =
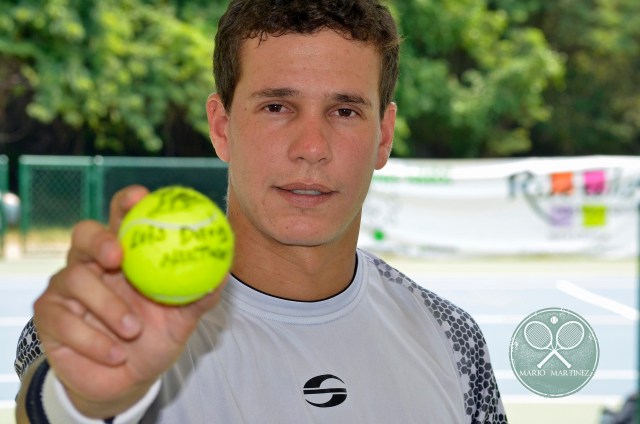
307,192
304,189
306,195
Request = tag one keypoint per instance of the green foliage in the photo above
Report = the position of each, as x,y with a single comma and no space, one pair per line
478,78
472,79
598,108
116,68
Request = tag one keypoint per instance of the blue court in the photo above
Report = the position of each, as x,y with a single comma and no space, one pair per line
499,293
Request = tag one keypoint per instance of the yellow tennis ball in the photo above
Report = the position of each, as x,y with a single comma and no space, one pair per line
178,245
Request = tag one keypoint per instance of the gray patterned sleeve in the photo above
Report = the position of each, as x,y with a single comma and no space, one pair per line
482,397
28,349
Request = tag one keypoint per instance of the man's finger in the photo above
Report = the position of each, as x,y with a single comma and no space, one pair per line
92,242
69,330
122,201
81,285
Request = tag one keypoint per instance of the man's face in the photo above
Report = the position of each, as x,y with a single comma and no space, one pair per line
303,137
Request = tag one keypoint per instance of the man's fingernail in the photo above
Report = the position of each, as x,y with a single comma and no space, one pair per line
116,354
107,252
130,324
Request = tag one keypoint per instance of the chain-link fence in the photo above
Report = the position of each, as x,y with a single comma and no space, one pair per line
58,191
113,173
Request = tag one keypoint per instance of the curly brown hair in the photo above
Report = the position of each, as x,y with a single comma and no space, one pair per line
367,21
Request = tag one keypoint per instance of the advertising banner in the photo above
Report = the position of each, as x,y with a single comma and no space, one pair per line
575,205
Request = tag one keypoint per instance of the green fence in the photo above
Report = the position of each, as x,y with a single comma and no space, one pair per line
207,175
58,191
4,187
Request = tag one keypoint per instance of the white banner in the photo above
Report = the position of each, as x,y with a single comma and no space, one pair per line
576,205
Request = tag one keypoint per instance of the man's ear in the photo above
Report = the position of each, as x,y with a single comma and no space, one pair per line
218,122
387,128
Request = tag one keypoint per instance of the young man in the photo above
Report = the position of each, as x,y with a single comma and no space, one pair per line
308,328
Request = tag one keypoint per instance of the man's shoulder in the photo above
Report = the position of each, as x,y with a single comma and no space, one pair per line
443,310
465,339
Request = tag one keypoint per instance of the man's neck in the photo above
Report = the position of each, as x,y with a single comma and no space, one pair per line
294,272
270,260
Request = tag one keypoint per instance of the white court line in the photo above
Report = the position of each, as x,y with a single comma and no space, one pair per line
514,319
9,378
578,292
572,400
14,321
7,404
618,375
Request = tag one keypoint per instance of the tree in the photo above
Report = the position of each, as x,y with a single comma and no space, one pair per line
118,73
597,110
478,78
472,79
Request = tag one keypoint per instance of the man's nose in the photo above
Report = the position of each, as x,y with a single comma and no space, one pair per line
311,140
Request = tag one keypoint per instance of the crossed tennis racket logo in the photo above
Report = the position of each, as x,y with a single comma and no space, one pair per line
539,336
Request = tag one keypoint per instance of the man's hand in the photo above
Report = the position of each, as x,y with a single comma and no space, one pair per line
106,342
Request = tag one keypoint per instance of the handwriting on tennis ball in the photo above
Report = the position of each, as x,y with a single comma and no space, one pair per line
178,245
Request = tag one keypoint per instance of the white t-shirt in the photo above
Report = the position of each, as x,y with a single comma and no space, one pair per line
382,351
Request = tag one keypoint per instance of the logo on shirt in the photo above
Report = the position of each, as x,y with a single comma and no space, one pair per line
554,352
325,395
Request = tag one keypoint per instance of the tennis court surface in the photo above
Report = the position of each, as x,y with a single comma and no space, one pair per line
498,292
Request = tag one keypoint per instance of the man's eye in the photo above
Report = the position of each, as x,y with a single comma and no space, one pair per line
346,113
274,108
